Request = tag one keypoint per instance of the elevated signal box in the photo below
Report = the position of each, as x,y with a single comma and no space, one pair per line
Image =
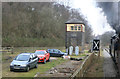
75,34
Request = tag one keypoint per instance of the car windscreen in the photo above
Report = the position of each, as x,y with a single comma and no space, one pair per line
55,51
22,57
50,50
40,52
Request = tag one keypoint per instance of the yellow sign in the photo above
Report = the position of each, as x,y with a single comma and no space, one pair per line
75,27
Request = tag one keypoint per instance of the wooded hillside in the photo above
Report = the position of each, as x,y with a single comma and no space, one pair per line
36,24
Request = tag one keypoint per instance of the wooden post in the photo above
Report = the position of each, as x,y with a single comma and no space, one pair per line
12,50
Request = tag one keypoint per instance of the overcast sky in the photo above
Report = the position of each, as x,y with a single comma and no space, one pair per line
94,15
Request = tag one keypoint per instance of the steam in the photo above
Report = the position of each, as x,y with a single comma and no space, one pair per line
111,10
93,14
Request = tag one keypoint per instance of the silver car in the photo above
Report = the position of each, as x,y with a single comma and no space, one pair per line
24,61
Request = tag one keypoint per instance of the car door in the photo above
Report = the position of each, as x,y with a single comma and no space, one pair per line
36,59
51,52
47,55
59,53
32,62
56,53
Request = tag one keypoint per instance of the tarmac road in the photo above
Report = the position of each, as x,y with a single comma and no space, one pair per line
108,66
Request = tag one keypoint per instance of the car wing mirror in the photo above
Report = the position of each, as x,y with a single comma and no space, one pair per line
15,58
29,60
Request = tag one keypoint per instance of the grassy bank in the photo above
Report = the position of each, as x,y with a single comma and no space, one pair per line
96,69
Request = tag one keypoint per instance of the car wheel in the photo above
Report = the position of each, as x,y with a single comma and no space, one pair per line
44,61
49,59
28,68
36,65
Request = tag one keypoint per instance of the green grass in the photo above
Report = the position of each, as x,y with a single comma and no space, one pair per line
63,50
77,56
42,68
86,51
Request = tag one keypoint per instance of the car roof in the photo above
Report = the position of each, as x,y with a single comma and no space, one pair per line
26,53
40,50
53,49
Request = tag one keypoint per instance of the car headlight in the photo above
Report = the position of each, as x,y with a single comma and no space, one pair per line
11,64
23,65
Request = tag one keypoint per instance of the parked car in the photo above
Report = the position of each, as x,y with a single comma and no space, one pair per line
24,61
56,53
43,56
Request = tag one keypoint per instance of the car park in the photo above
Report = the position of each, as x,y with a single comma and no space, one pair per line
24,61
43,56
56,53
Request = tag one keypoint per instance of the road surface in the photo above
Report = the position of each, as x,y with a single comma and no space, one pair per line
108,65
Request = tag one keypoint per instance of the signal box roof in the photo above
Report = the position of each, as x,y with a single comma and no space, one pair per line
74,21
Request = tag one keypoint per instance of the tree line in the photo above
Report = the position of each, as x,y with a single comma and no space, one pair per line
37,24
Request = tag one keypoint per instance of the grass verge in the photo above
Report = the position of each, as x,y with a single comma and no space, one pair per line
96,69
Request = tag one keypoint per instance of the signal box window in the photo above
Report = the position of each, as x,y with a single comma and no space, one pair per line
72,28
75,27
79,28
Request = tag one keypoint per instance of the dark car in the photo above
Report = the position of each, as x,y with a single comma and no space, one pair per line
55,53
24,61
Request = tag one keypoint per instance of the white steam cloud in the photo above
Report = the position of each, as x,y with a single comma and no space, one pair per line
93,14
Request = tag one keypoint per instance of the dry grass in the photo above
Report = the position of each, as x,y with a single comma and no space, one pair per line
96,69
